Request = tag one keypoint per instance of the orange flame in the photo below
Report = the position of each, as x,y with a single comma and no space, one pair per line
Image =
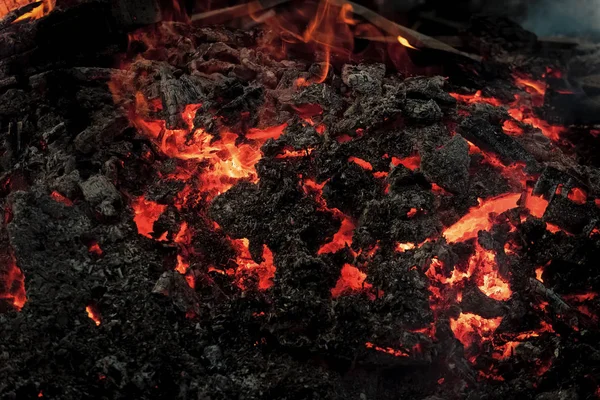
93,315
404,42
38,12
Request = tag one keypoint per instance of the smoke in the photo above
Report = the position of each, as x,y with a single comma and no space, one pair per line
564,18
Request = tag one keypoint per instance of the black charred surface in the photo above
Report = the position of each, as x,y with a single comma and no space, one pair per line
73,163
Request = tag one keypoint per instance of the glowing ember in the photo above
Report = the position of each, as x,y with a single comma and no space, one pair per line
362,163
577,195
402,247
477,219
95,249
535,204
341,239
533,86
61,199
93,315
471,328
410,162
12,286
351,280
487,277
146,213
388,350
476,98
265,271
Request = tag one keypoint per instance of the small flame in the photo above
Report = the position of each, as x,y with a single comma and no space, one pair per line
93,315
404,42
38,12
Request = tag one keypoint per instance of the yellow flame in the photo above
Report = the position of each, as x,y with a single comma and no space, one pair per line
404,42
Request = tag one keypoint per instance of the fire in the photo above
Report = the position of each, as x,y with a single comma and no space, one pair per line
411,162
388,350
472,329
12,285
477,219
227,160
531,85
61,199
351,280
404,42
362,163
94,248
341,239
146,213
488,279
38,12
265,271
577,195
402,247
538,274
535,204
476,98
93,315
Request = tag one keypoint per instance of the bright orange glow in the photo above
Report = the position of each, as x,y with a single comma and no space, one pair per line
362,163
538,274
37,13
577,195
477,219
13,285
412,212
146,213
487,278
351,280
535,204
268,133
345,14
61,199
471,328
404,42
341,239
531,85
388,350
265,271
511,128
411,162
402,247
476,98
93,315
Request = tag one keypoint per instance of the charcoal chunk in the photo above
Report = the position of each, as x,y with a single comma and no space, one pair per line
448,166
423,112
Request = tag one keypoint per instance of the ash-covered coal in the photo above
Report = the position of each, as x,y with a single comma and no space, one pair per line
212,221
